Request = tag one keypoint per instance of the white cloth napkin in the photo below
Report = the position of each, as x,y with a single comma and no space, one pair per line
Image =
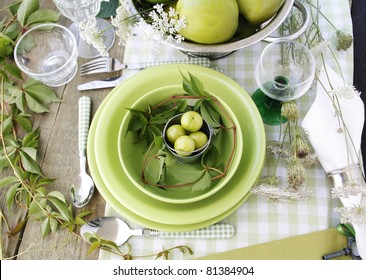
337,149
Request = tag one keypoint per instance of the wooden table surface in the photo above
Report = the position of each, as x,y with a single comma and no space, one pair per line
58,156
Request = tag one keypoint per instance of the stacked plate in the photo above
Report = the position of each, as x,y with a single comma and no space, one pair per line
112,160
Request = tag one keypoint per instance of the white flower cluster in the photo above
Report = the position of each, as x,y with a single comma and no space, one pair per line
124,21
168,25
271,187
352,215
351,188
346,91
90,33
281,193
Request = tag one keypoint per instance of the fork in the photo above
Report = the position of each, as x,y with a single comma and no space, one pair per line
107,64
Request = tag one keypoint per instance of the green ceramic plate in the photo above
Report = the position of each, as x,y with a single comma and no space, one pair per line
105,142
131,154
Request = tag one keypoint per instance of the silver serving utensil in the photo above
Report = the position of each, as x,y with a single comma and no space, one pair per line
83,188
116,230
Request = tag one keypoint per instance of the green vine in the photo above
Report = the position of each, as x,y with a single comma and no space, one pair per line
27,188
96,242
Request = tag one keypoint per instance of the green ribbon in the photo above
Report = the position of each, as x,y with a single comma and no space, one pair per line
346,230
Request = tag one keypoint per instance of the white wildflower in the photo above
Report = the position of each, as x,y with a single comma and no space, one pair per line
124,21
281,193
350,188
342,40
167,25
309,160
275,148
272,188
346,91
352,215
90,33
319,48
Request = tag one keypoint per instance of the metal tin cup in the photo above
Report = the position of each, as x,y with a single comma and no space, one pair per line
47,53
196,154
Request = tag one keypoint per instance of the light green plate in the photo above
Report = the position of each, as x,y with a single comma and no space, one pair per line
105,142
131,154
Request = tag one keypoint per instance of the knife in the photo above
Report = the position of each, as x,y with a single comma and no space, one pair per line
104,83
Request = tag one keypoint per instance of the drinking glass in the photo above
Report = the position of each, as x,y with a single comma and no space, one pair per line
47,53
79,10
284,72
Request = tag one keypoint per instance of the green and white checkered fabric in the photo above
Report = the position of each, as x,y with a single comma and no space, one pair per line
84,122
217,231
257,220
194,60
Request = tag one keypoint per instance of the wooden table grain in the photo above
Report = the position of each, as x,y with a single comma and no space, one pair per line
58,156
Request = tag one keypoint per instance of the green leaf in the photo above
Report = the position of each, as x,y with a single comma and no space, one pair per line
203,183
24,122
212,157
46,228
14,70
7,125
14,8
8,181
57,195
53,224
154,169
20,102
26,45
60,206
32,152
5,47
43,15
159,143
95,245
158,119
37,206
13,30
140,115
28,163
26,8
210,115
35,105
197,85
42,93
108,9
10,195
31,139
182,174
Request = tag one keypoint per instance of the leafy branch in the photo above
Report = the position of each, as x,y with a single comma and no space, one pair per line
96,242
19,99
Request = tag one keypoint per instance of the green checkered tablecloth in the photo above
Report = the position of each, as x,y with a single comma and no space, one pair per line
257,220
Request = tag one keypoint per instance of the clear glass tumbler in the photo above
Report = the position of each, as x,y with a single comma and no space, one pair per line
79,10
47,53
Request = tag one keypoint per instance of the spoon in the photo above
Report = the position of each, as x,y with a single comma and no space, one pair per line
116,230
83,188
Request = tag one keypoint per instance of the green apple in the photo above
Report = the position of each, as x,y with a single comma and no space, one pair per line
174,131
158,1
209,21
258,11
184,145
191,121
200,138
